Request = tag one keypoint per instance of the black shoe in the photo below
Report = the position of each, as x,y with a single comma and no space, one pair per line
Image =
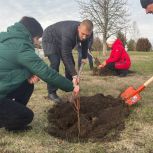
55,98
123,73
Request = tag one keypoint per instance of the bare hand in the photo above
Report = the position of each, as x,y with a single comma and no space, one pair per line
84,61
76,90
75,80
34,79
102,65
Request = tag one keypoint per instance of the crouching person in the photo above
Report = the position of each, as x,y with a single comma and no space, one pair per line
20,68
119,60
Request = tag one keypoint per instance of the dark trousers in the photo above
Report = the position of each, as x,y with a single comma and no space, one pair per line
80,58
14,114
119,72
54,60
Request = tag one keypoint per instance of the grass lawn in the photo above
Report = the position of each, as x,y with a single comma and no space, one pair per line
137,137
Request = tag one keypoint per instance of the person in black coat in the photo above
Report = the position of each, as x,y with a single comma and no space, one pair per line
58,41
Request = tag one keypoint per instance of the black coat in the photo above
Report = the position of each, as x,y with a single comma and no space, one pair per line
61,38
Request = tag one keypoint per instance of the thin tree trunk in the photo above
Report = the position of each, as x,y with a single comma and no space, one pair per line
104,47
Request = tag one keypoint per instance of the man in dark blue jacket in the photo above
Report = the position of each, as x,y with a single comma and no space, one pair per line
147,5
58,42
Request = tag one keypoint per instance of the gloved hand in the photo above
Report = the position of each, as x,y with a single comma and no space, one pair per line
34,79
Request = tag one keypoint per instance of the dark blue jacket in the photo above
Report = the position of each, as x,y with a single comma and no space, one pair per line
61,38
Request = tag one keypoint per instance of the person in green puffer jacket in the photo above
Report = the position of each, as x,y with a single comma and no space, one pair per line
20,68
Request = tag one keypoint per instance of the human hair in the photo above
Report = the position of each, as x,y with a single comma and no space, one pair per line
32,25
145,3
88,24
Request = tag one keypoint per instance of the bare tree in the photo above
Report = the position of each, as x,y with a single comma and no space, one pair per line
109,16
134,31
97,44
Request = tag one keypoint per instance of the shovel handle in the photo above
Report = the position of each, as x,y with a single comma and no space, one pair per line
148,82
91,55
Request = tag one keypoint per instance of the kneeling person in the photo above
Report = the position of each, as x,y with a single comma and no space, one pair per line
119,60
20,68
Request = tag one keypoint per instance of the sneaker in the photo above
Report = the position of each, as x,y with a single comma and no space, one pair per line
55,98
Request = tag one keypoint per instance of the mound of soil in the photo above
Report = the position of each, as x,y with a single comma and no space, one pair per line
99,115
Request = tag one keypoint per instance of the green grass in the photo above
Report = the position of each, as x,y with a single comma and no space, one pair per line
137,137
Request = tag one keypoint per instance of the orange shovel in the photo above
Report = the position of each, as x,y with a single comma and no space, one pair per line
131,96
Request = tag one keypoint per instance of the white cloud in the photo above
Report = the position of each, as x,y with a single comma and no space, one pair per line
51,11
47,12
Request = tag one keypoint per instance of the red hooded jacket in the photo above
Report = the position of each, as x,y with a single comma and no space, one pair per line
119,56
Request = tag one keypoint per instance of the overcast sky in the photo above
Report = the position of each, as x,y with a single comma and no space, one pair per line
51,11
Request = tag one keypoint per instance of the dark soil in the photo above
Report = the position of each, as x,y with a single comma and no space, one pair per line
108,72
99,116
102,72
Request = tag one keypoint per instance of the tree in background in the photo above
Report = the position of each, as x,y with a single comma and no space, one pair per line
122,37
131,45
143,44
108,16
134,31
97,44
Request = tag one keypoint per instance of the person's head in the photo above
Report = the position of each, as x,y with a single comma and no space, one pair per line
147,5
85,29
110,41
34,28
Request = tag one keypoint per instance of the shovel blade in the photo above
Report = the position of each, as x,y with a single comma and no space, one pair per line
130,96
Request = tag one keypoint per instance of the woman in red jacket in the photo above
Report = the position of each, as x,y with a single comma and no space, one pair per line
119,60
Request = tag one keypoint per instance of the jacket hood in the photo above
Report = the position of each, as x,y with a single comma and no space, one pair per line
117,43
17,30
